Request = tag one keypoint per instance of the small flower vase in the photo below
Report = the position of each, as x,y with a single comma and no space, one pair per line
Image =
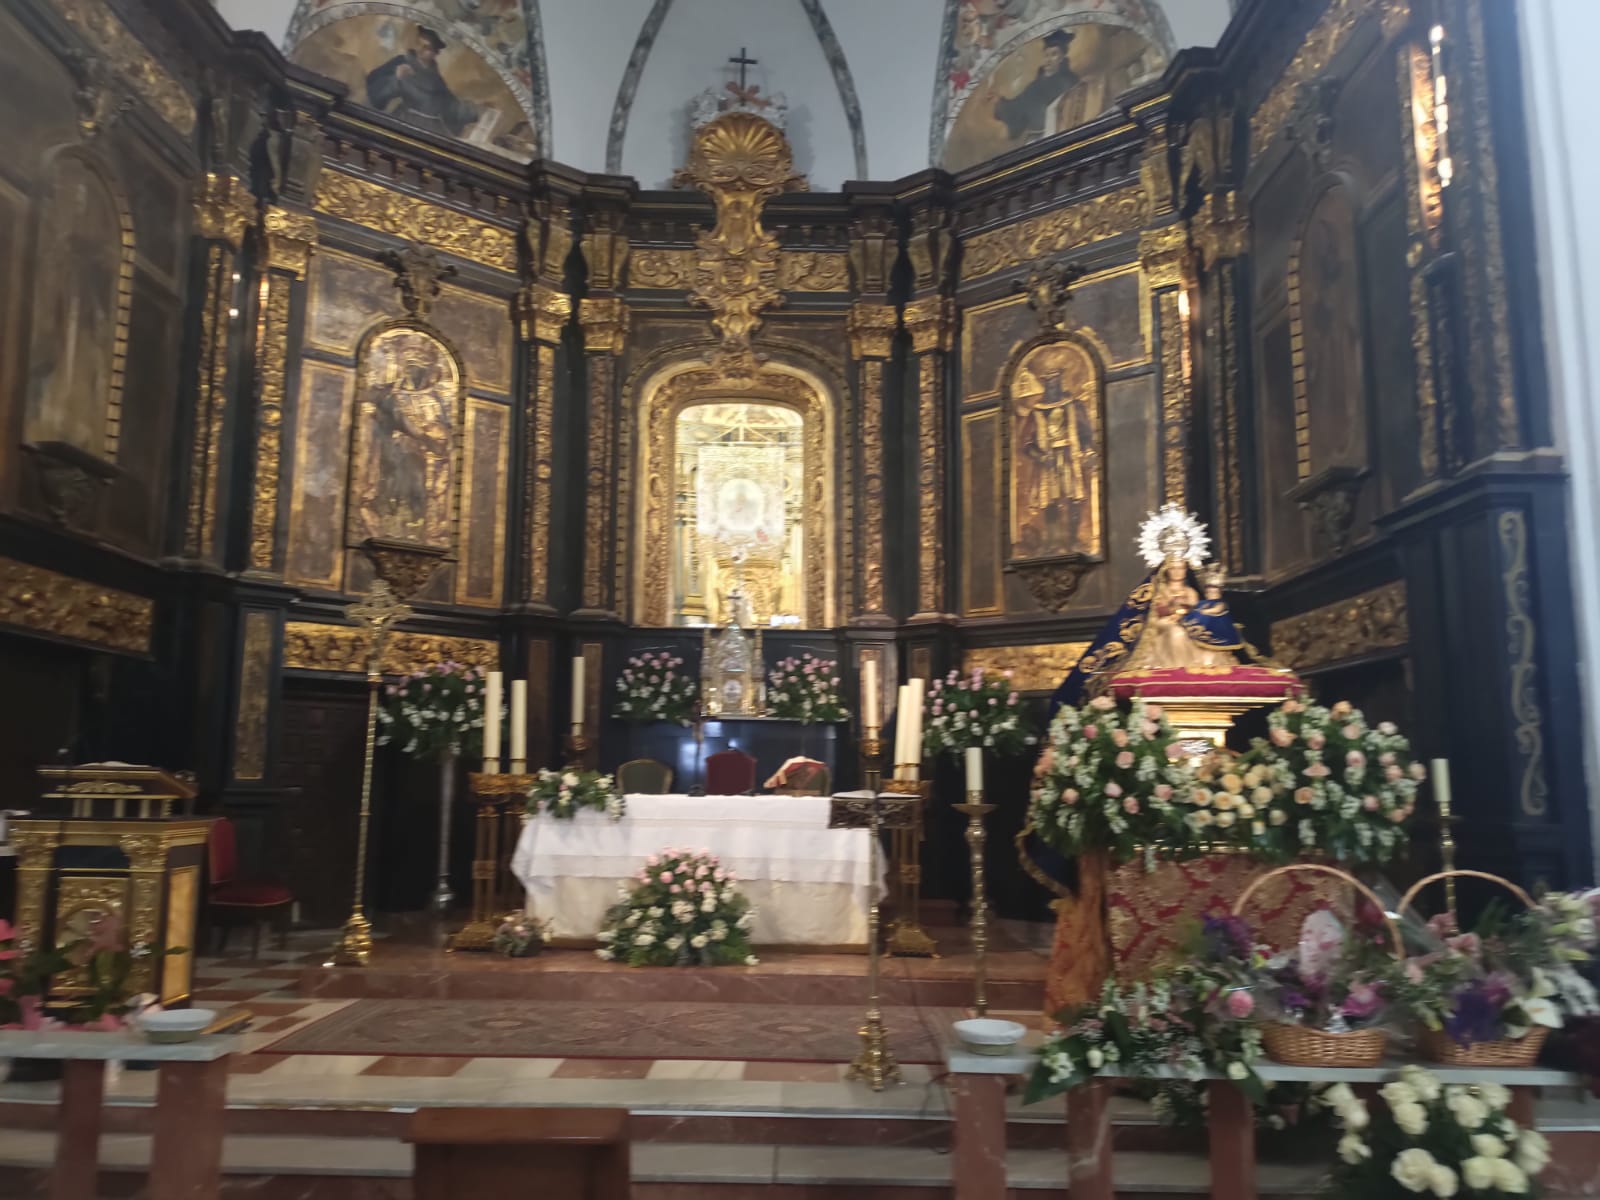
443,897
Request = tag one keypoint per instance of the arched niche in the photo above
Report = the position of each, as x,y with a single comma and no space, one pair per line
81,300
661,511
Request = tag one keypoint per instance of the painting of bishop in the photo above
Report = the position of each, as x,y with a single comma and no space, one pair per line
1057,463
406,464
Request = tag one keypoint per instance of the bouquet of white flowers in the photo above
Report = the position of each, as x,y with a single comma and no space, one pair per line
563,793
655,687
521,936
682,911
806,689
433,711
975,710
1432,1140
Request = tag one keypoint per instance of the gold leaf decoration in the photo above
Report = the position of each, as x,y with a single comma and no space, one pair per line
1119,212
416,220
43,601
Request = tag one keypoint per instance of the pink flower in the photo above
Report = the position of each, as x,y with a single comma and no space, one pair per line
6,985
1303,795
1070,796
1351,732
7,932
1125,759
674,889
1413,970
1130,805
1091,732
1386,758
1281,737
1240,1004
1153,711
1119,737
1316,741
1370,803
1392,773
652,861
666,877
1149,729
718,876
1399,815
8,954
1355,759
1163,791
1318,770
1113,790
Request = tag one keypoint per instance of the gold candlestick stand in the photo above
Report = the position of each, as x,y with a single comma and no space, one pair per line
577,748
401,569
907,938
975,811
1447,856
502,809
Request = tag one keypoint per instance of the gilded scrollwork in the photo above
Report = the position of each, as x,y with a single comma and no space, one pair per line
314,646
813,271
1533,791
1174,401
223,209
36,849
415,219
47,602
540,472
1123,211
930,483
133,60
290,238
871,327
872,489
598,485
931,322
272,349
1036,668
660,269
1370,623
605,323
543,311
605,252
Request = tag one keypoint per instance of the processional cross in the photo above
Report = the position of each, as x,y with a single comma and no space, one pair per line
379,611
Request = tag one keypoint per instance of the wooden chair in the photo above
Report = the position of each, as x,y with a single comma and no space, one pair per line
730,773
232,901
489,1153
644,777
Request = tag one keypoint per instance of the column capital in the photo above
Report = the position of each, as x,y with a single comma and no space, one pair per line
542,312
871,327
931,321
605,323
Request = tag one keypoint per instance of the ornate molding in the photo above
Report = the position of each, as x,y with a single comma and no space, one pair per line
605,251
1038,668
1324,41
290,238
416,220
417,276
1049,290
42,601
1174,400
871,328
605,324
930,482
872,483
813,271
541,469
1120,212
133,60
1053,582
874,243
272,349
1329,498
223,209
599,486
1372,622
542,312
1164,254
931,322
251,704
741,161
313,646
1533,791
1222,230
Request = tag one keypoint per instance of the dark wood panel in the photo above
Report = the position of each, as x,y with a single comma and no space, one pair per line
324,733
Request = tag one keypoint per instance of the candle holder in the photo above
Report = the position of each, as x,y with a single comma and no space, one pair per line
498,824
975,810
443,896
1447,856
907,938
577,747
871,760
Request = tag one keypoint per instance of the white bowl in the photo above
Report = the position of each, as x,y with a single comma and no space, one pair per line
985,1035
176,1025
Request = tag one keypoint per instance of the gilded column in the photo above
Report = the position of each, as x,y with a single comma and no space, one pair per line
542,311
1223,236
224,209
605,322
871,327
288,239
931,321
1164,255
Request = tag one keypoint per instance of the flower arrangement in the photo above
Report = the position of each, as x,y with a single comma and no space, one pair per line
563,793
106,961
1512,973
1324,780
655,687
1107,782
1162,1028
434,712
521,936
1433,1140
1334,981
683,910
23,980
806,689
975,710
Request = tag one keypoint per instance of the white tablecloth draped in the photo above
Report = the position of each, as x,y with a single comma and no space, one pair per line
808,883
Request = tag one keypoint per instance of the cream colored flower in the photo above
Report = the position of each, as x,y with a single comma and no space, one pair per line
1495,1096
1509,1177
1423,1081
1398,1092
1470,1112
1533,1151
1488,1146
1478,1173
1412,1119
1353,1150
1413,1169
1443,1182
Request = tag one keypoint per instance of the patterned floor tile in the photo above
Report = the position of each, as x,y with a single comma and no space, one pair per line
603,1068
416,1066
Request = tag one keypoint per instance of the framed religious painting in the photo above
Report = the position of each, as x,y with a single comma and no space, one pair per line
1056,457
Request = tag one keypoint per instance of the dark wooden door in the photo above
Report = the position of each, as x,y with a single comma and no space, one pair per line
324,738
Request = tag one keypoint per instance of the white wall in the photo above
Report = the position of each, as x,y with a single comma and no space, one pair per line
585,58
271,17
1197,22
1558,37
892,47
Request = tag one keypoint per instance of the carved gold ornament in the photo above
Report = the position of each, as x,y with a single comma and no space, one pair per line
416,220
1039,668
133,60
543,312
871,328
1123,211
42,601
313,646
1364,624
605,324
931,322
813,271
741,161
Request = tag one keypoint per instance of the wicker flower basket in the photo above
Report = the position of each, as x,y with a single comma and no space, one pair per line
1438,1046
1300,1045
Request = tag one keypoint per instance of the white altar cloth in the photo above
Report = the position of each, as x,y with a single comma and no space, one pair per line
807,883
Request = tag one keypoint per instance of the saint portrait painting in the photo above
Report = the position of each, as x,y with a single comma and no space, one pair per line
1057,465
1048,84
422,76
405,464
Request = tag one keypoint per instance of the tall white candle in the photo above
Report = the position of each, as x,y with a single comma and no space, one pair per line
914,739
491,718
1441,784
519,720
902,720
869,695
577,691
974,769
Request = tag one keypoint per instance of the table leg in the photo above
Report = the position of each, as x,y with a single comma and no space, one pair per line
1089,1142
78,1132
186,1153
1231,1127
978,1163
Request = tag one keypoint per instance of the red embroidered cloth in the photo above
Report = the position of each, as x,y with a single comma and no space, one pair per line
1244,681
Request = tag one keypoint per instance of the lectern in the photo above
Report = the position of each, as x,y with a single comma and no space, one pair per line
114,845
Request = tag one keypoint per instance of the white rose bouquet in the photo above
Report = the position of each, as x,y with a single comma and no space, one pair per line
682,910
434,710
655,687
976,710
806,689
562,793
1432,1140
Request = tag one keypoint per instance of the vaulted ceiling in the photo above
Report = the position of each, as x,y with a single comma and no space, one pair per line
874,89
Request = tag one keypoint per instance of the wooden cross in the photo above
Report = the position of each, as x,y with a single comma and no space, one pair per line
742,60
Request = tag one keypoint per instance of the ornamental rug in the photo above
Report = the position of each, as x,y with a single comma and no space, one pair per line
598,1029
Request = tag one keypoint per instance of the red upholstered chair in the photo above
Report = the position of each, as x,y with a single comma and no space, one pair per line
234,901
730,773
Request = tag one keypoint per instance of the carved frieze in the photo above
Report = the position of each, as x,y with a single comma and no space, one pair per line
1038,668
673,269
133,60
1026,242
1366,624
42,601
313,646
415,219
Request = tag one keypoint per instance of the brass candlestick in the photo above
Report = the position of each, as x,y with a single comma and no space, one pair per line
499,822
976,810
907,938
577,747
1447,857
871,761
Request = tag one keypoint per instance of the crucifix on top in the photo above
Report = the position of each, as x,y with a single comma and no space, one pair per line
745,93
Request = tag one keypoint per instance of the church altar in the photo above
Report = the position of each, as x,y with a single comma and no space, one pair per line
808,883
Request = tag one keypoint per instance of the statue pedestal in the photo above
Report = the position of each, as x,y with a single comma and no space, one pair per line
1202,703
